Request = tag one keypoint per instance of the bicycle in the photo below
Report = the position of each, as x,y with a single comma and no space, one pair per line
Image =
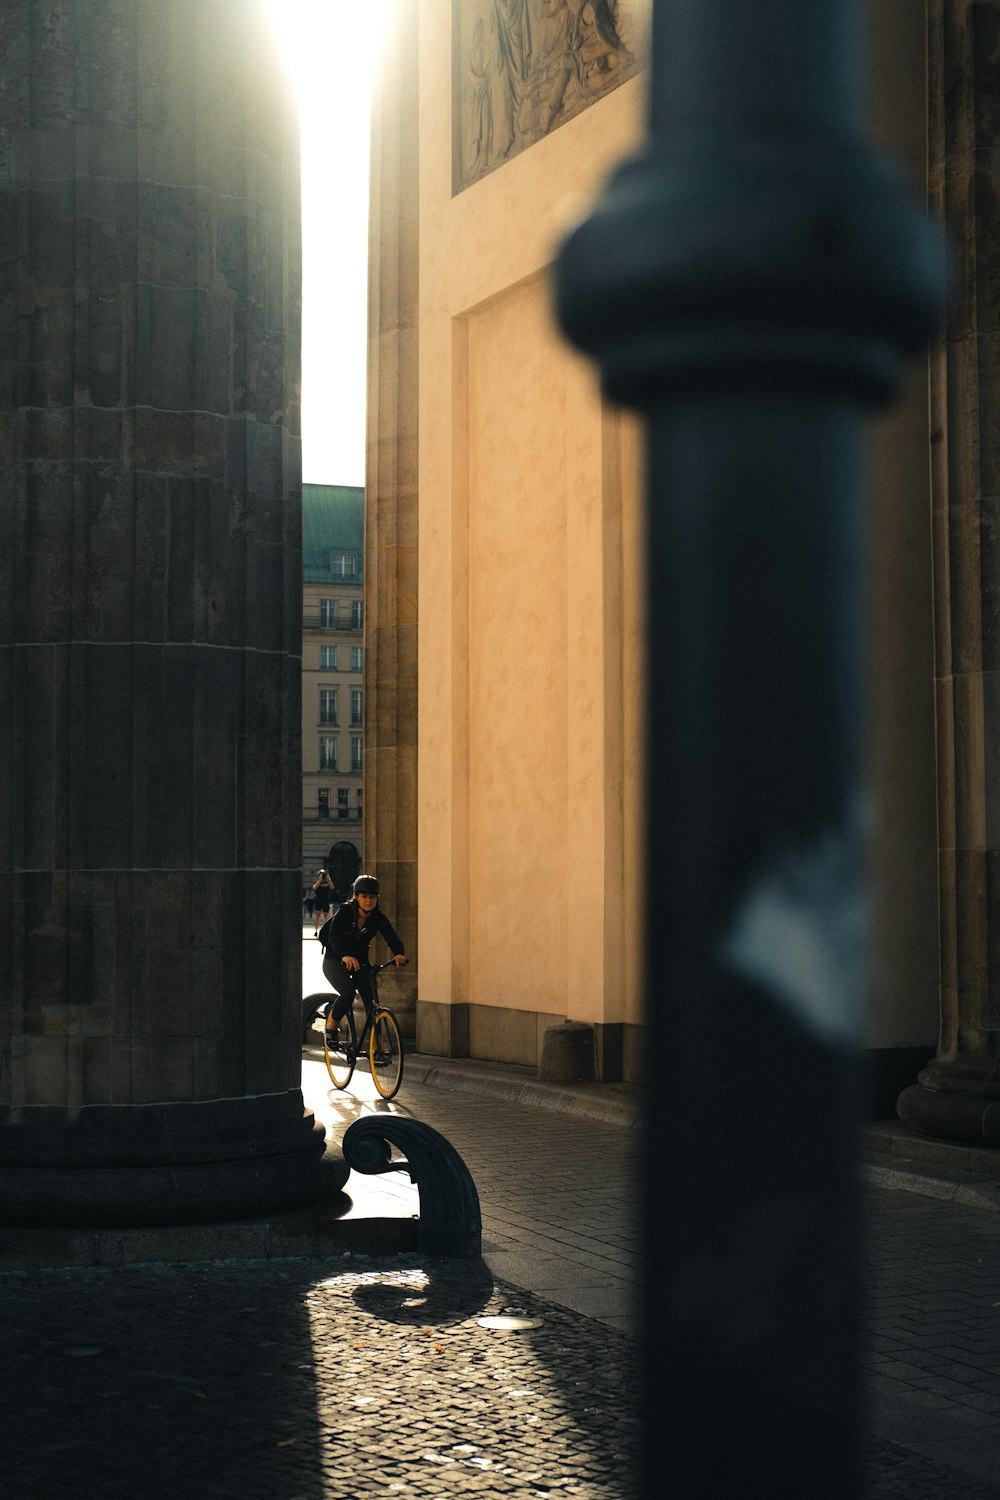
382,1034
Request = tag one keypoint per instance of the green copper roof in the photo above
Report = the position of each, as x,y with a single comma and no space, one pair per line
333,520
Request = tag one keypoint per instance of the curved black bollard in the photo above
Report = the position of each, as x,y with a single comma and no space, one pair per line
311,1007
450,1221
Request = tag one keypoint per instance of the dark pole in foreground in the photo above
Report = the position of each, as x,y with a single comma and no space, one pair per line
751,282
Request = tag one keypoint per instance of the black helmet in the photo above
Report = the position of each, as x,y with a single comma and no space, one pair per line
365,885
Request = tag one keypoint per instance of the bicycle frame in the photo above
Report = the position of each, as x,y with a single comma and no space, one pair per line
382,1034
372,1006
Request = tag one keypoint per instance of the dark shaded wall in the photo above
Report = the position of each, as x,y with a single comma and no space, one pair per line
958,1093
899,657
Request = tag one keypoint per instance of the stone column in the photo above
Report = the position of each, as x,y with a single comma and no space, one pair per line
958,1093
390,831
150,616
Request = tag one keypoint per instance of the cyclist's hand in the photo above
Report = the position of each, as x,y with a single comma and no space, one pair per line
350,963
400,960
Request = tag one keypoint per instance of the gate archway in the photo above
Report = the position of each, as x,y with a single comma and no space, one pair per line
344,863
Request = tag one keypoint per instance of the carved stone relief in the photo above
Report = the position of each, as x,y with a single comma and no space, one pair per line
523,67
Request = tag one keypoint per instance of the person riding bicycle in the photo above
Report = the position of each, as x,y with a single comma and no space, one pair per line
346,938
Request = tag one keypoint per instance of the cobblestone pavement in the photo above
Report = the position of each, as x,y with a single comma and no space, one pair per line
565,1230
353,1377
934,1347
280,1379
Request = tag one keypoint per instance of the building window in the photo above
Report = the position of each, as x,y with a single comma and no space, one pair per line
343,564
355,752
328,752
356,709
328,658
359,804
356,658
328,705
328,614
323,795
357,614
343,810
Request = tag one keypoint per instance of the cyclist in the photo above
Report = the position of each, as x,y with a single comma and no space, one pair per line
346,938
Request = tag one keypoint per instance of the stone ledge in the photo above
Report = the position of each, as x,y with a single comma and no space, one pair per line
903,1160
969,1191
890,1138
615,1104
366,1221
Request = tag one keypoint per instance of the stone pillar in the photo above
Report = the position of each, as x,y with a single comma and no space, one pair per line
750,283
150,615
390,830
958,1093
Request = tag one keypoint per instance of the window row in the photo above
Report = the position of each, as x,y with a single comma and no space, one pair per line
344,808
328,752
329,614
329,661
329,709
344,564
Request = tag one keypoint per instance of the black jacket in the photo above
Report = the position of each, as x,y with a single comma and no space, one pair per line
342,935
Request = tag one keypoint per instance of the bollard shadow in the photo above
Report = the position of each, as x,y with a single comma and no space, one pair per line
438,1292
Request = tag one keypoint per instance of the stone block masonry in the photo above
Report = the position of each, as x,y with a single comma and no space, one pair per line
150,603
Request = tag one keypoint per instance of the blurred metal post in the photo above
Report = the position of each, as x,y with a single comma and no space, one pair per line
751,281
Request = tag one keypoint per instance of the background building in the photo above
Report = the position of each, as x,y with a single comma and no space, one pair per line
332,680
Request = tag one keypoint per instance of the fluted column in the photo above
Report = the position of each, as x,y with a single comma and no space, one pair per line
391,554
958,1093
750,283
150,616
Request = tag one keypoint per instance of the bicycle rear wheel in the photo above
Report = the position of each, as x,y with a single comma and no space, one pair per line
341,1056
385,1053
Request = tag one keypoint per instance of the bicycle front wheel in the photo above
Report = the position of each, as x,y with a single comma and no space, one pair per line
385,1053
340,1056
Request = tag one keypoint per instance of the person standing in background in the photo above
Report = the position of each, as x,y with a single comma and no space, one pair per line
322,898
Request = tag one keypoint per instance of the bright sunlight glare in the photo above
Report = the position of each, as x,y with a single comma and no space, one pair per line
332,49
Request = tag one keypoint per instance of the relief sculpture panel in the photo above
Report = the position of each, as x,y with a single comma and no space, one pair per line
523,67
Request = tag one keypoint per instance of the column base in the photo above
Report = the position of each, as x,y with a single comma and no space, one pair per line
126,1166
949,1115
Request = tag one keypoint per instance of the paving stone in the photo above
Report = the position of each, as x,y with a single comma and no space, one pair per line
350,1376
892,1470
363,1378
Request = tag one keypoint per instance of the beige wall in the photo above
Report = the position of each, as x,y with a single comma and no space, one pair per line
529,792
529,601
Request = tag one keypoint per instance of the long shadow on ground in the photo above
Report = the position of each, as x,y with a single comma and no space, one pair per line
347,1377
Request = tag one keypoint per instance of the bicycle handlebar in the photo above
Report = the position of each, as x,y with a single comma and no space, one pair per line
389,963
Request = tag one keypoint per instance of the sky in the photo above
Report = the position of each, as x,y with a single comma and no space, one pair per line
332,47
